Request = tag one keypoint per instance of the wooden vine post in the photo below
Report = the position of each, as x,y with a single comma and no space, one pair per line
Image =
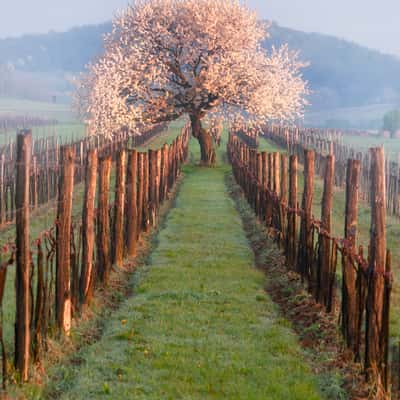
119,209
103,221
63,246
165,171
34,183
140,192
152,176
276,177
146,191
23,257
268,200
2,191
265,169
259,183
350,313
88,229
375,360
131,212
323,291
158,182
283,195
304,259
292,215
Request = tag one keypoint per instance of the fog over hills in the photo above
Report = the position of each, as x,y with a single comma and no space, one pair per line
341,73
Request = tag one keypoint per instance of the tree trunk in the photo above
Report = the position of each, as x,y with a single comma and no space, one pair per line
205,140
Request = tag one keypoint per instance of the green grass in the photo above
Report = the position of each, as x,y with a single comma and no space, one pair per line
67,128
200,325
391,146
168,137
266,145
60,112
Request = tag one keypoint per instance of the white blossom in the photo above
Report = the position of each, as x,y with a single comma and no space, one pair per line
169,58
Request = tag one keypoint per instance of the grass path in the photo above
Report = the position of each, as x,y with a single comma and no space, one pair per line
200,324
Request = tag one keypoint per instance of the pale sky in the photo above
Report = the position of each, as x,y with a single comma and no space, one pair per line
369,22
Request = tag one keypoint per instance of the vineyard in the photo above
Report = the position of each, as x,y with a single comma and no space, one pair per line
57,271
103,196
168,231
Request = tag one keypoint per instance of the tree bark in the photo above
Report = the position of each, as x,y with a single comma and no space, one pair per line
205,140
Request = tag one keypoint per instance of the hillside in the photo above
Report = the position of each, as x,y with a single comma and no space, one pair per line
341,73
55,51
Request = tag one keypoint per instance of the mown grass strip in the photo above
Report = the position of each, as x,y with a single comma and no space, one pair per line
200,324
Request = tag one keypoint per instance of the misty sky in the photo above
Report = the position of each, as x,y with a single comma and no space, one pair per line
368,22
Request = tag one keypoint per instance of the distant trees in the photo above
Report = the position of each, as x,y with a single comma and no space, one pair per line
19,84
169,58
391,122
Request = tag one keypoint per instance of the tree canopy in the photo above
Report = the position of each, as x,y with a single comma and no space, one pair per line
169,58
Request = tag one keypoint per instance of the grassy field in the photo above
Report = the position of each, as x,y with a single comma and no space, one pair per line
66,129
356,117
391,146
59,112
200,325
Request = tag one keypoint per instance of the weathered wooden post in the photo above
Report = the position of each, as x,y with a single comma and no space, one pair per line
259,174
140,193
165,171
23,257
119,209
2,191
304,259
152,185
131,212
349,282
63,246
268,200
103,221
88,228
276,176
292,214
35,183
146,189
386,371
265,169
283,195
324,257
157,183
374,327
47,174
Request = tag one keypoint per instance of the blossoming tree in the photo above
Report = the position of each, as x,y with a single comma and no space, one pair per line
168,58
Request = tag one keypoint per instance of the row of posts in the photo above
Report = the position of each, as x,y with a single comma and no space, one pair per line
271,188
109,234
